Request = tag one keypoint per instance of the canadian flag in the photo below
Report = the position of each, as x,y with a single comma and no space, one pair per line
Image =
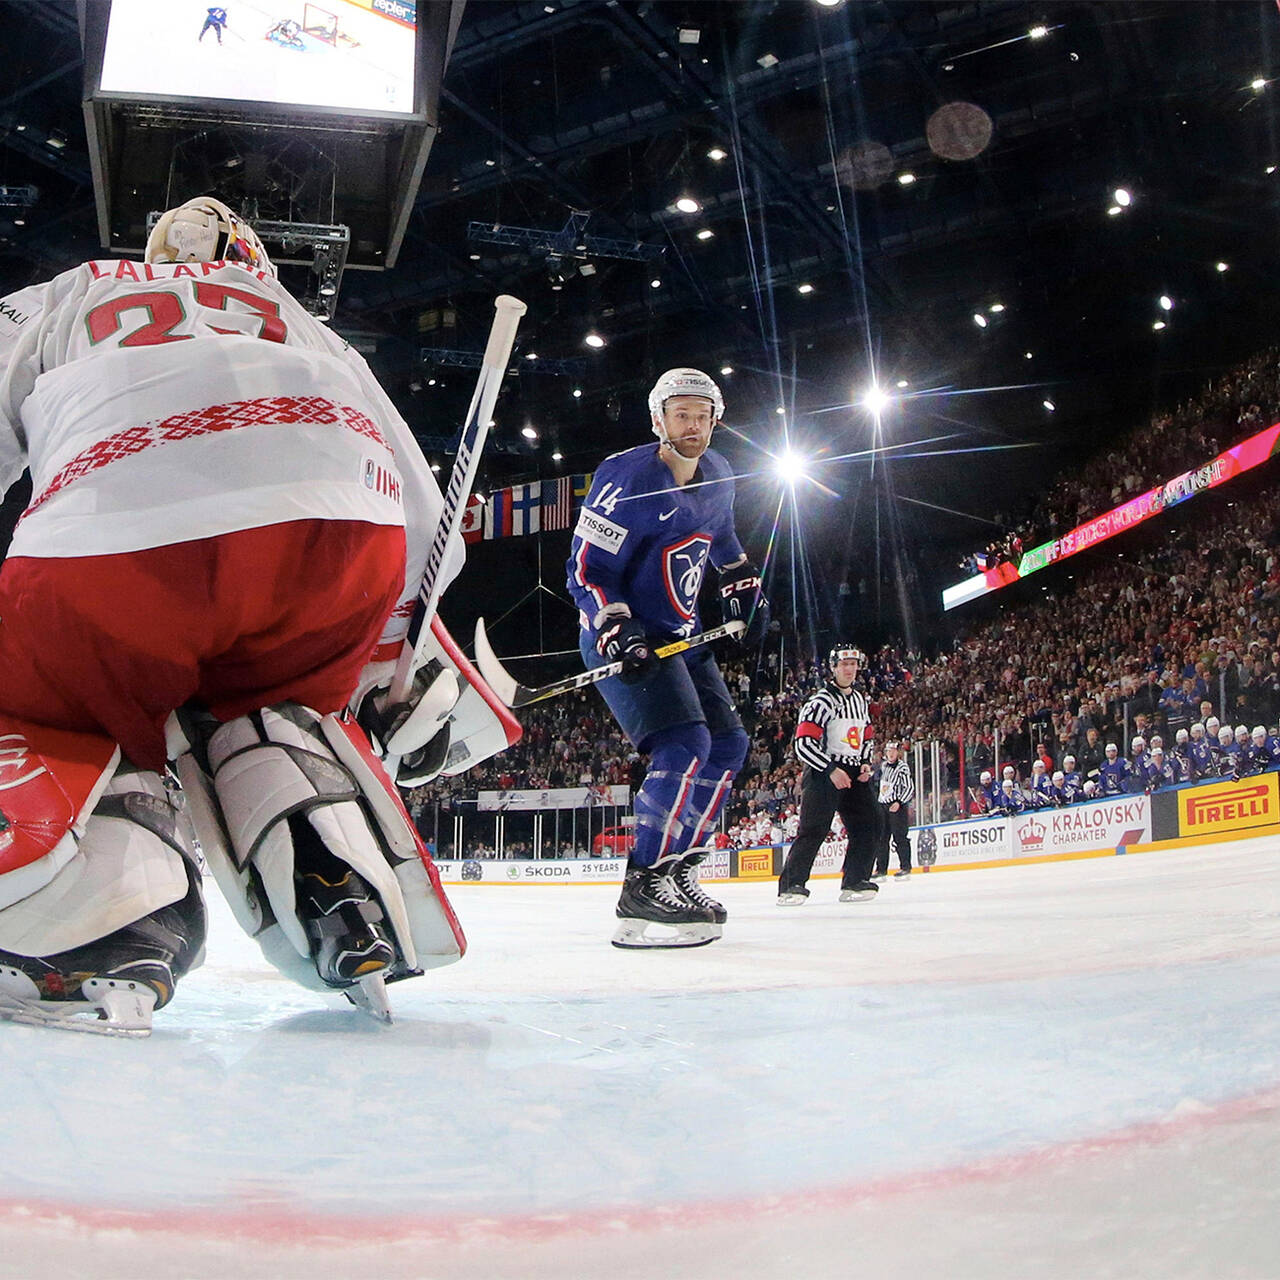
473,520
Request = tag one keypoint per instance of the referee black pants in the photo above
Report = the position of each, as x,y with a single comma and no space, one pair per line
893,827
820,800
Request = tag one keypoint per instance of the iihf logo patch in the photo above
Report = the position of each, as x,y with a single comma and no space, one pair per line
380,480
682,567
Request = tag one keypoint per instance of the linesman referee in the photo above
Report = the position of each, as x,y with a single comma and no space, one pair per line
833,743
897,790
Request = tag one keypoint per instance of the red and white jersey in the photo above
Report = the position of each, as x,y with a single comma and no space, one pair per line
156,404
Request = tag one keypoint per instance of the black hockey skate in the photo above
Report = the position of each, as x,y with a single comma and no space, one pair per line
345,925
796,896
111,986
687,881
859,891
650,896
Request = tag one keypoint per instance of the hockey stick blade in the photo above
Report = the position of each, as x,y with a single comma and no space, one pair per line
514,694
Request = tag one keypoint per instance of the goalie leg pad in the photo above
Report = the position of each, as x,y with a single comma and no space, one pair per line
277,792
127,863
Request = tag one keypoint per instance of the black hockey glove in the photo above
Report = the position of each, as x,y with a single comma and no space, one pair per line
624,640
742,600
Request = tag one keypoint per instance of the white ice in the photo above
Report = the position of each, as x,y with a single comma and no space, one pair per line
1061,1070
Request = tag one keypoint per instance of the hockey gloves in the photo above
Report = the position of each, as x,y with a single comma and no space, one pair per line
623,640
742,600
417,730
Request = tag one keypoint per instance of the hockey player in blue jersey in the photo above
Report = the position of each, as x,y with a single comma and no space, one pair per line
1183,761
1010,801
989,791
1227,758
1158,772
1113,777
1039,791
1264,750
216,18
656,517
1072,782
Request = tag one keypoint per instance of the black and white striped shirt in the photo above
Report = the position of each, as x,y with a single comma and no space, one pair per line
896,783
834,729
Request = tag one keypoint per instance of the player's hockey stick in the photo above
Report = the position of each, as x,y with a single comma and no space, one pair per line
502,336
514,694
462,477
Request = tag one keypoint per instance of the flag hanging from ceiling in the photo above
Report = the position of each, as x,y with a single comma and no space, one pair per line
473,520
557,503
497,515
526,508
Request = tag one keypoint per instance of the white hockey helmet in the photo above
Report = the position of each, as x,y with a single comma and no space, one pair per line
1009,771
683,382
1156,741
1059,777
1068,763
1007,785
1225,735
1091,788
1242,733
1197,731
205,230
1259,733
1211,725
1138,742
1111,749
1038,765
1182,735
1157,751
986,777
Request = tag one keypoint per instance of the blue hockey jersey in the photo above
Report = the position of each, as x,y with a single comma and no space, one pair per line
644,541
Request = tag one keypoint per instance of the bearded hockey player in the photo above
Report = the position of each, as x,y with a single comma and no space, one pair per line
228,524
655,518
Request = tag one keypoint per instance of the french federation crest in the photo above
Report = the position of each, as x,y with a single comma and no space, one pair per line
682,567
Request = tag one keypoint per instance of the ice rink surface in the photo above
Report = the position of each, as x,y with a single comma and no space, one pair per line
1062,1070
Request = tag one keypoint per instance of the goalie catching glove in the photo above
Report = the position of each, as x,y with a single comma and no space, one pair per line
416,730
743,600
622,639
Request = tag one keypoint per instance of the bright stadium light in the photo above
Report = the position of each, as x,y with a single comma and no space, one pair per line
789,466
875,399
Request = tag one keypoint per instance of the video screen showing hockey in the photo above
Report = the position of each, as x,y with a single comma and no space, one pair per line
352,55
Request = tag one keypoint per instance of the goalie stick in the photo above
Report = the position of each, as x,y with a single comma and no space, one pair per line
514,694
475,429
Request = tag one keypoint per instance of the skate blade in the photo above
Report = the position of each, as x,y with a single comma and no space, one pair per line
370,996
791,899
853,895
111,1017
631,935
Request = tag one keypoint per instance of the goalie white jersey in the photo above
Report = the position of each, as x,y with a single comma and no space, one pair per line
131,390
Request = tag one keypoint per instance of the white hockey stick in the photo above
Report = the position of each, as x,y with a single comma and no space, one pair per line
502,336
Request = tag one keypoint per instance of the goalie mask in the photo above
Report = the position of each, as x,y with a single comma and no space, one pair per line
206,230
682,382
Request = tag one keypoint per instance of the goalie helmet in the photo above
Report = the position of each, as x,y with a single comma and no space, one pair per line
683,382
842,651
205,230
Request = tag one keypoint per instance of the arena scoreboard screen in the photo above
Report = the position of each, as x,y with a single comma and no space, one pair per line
356,56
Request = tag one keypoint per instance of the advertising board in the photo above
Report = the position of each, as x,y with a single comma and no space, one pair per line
1230,806
1105,824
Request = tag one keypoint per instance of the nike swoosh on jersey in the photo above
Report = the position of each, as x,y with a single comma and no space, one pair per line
669,514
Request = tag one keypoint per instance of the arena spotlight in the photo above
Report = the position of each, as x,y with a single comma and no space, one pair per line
875,399
593,339
1122,196
1166,302
789,467
687,204
1220,267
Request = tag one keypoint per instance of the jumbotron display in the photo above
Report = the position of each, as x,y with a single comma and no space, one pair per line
352,55
1226,466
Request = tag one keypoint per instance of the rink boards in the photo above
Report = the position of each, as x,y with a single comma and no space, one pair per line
1181,816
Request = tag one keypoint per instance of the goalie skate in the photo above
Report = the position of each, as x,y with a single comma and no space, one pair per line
108,1007
653,912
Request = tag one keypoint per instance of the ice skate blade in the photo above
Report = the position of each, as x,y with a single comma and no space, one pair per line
857,895
118,1014
630,935
370,996
792,899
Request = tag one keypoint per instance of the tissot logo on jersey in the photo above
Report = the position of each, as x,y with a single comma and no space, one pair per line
682,567
600,531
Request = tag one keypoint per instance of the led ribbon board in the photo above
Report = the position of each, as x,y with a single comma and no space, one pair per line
1226,466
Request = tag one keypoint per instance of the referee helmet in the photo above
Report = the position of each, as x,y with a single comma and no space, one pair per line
842,651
